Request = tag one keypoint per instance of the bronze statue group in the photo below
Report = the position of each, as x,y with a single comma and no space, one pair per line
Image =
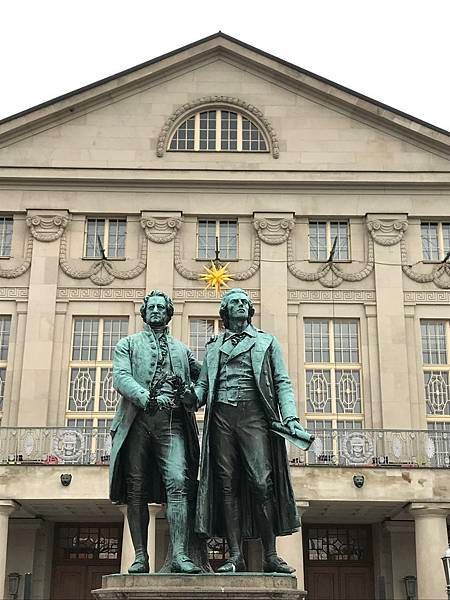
244,489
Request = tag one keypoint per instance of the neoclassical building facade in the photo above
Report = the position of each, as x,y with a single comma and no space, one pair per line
331,209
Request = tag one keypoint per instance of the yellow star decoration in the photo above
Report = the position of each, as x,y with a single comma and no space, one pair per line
216,277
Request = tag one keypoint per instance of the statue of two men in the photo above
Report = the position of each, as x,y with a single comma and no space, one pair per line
245,489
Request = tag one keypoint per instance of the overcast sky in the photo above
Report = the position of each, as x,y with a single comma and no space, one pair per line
395,51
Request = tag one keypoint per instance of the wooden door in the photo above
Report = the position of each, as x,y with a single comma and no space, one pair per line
69,581
94,577
339,583
356,583
323,583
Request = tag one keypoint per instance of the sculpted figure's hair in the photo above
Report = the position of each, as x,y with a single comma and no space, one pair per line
223,312
168,300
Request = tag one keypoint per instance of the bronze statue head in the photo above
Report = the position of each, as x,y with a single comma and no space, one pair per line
165,314
224,312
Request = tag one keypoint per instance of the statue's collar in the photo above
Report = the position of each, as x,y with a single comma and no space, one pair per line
157,330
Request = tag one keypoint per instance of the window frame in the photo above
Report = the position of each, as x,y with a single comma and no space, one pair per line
329,242
4,365
106,235
218,131
97,364
4,220
435,367
440,241
216,330
332,366
217,222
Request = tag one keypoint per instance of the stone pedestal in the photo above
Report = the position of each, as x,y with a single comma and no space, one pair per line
169,586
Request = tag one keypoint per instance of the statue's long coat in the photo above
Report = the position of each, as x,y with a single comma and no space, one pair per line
134,367
277,398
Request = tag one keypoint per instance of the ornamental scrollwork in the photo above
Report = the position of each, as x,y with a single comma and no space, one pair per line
102,272
439,275
239,276
160,230
23,267
47,228
211,101
387,232
273,231
330,274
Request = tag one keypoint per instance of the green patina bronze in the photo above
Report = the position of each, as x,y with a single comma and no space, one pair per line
245,489
155,449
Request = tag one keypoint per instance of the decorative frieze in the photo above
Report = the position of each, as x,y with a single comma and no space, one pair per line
13,293
423,297
273,231
439,274
218,101
331,296
47,228
160,229
387,232
196,294
23,266
133,294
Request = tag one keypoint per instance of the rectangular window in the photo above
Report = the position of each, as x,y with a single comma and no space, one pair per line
326,235
105,237
217,235
90,384
435,241
200,330
5,330
333,371
6,229
436,368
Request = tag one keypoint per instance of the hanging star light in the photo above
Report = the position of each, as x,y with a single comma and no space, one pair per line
216,276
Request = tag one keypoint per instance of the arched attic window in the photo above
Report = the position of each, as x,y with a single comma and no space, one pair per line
218,130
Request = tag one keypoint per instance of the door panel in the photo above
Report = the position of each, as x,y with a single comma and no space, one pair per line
69,582
94,577
322,583
356,583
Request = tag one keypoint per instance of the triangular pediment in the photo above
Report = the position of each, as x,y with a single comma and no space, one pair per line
319,125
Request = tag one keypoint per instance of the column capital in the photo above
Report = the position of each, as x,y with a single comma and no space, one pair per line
273,228
7,507
47,226
161,227
429,509
387,229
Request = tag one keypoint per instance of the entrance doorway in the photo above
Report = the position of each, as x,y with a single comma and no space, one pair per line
338,562
82,554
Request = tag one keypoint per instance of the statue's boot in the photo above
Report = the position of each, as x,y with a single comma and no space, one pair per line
138,519
177,518
272,563
236,560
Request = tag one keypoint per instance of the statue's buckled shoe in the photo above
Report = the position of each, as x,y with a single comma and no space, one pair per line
183,564
140,564
233,565
275,564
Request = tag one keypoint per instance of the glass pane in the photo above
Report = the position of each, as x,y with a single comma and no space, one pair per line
318,391
434,344
346,345
430,246
6,228
437,392
446,237
348,391
5,330
252,138
116,238
113,331
2,386
109,398
85,339
339,232
82,388
200,330
228,130
206,240
208,130
228,240
95,238
317,348
183,138
318,240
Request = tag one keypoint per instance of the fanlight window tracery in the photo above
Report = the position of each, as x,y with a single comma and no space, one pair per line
218,130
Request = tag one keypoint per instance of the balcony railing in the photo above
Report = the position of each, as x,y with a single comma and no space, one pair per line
376,448
55,445
331,448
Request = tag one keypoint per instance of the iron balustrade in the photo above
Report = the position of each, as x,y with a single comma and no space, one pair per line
375,448
331,448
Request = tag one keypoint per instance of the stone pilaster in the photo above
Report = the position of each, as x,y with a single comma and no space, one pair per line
387,232
6,508
431,543
160,230
46,227
273,230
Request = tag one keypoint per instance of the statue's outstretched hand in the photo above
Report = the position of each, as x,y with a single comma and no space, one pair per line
189,399
294,427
